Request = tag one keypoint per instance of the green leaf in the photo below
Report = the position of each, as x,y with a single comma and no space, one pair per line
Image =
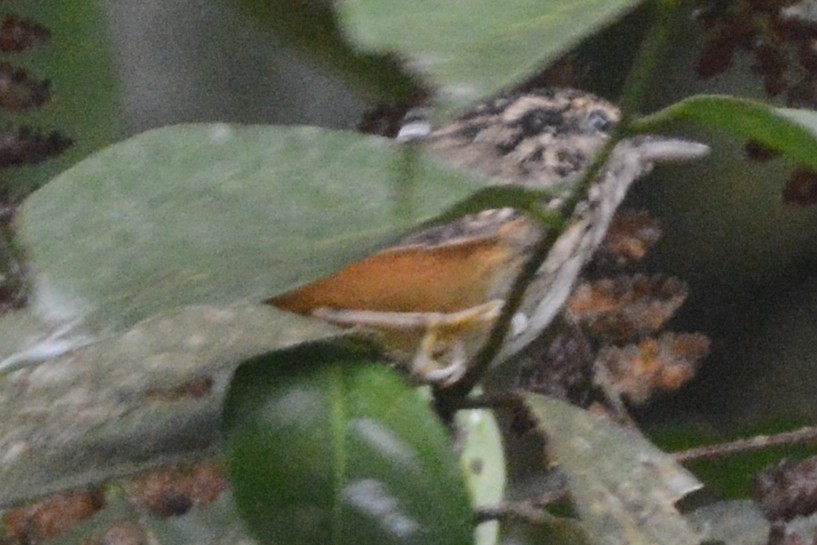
623,487
214,214
476,48
793,133
324,446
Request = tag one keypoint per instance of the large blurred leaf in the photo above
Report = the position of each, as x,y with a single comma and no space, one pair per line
476,48
791,132
623,487
325,447
130,402
218,213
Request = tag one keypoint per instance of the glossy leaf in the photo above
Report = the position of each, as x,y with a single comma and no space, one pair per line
790,132
325,446
213,214
476,48
622,486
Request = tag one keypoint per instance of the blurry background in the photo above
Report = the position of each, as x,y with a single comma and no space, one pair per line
206,60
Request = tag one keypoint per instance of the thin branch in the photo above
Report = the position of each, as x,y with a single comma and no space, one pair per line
759,442
650,54
531,510
493,401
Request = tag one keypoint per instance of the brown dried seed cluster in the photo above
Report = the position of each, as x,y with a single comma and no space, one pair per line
18,91
778,34
626,307
18,34
654,365
609,326
801,188
630,235
787,489
21,91
174,491
165,492
621,315
26,146
48,518
618,316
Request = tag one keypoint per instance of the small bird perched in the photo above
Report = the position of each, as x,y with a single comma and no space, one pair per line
436,293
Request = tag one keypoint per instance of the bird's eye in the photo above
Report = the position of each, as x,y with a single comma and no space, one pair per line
597,120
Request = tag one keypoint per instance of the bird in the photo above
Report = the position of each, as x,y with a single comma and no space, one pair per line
435,294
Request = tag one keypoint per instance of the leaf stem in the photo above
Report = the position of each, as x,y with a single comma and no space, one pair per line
650,54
